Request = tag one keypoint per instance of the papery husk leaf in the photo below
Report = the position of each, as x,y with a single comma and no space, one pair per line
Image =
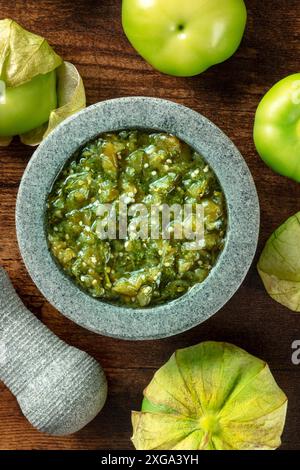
279,264
215,396
165,391
263,433
71,99
164,431
23,55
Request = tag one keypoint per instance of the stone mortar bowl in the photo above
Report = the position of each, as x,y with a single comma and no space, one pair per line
204,299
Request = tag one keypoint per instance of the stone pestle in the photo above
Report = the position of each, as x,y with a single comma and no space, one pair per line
59,388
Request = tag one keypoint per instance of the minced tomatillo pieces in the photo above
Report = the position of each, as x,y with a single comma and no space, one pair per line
152,169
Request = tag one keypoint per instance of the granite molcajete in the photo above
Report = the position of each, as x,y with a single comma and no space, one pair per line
203,300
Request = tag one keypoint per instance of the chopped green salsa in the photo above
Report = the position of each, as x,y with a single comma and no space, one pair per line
146,168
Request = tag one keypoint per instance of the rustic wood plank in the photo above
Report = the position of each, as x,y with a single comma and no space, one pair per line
89,34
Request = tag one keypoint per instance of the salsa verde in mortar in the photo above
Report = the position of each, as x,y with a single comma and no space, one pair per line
149,168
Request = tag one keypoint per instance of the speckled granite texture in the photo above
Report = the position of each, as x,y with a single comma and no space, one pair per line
59,388
202,301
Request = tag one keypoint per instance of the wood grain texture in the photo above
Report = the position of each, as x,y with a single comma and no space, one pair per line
89,34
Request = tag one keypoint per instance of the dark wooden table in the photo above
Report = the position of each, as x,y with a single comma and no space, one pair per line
89,33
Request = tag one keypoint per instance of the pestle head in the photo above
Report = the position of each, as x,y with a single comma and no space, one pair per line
66,396
59,388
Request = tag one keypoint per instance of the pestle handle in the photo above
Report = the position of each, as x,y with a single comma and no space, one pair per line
28,344
59,388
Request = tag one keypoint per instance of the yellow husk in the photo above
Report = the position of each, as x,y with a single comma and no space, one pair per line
24,55
211,396
279,264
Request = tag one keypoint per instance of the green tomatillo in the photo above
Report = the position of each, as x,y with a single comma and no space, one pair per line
27,106
37,88
184,37
277,127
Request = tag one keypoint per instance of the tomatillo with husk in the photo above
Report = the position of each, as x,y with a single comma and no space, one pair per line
279,264
277,127
212,396
37,88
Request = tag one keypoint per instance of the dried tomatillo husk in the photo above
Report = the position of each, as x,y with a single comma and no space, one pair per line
211,396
